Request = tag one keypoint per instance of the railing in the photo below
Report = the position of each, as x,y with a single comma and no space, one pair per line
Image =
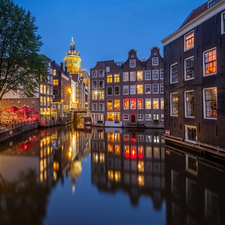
12,124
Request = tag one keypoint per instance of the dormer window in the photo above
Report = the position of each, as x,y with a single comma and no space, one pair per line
133,63
155,61
212,3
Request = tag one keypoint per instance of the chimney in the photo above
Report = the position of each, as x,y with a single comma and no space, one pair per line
61,65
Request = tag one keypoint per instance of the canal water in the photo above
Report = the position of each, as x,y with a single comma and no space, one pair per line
106,176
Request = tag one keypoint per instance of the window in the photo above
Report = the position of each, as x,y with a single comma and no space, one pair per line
55,82
94,84
155,61
110,116
101,84
133,103
189,40
101,107
133,76
126,103
155,74
55,92
41,100
117,117
155,88
100,119
116,90
173,73
125,76
148,75
161,88
148,89
109,90
101,73
94,95
139,75
140,89
132,63
140,117
41,88
162,103
110,105
107,69
54,72
126,89
109,78
94,73
117,104
161,74
189,68
147,103
140,103
212,3
156,118
44,89
174,104
155,103
189,104
148,117
101,95
94,106
190,133
125,116
162,117
132,89
116,78
210,102
210,63
223,23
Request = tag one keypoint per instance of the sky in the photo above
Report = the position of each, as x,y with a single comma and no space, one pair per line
106,29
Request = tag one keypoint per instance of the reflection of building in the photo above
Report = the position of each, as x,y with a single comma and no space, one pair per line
130,160
194,78
194,189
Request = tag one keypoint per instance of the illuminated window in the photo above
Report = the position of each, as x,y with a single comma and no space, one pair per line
109,78
54,72
100,118
101,84
100,134
210,102
133,63
117,176
94,106
101,107
127,151
140,117
161,74
148,138
147,103
133,76
126,137
109,91
189,72
117,149
147,74
155,88
95,157
140,152
117,117
156,117
116,78
189,103
94,95
55,82
48,90
110,148
156,152
41,88
155,61
117,136
139,75
148,152
210,62
110,174
141,166
133,152
148,89
132,89
107,69
117,104
155,74
174,104
190,133
110,105
161,88
162,117
102,158
94,73
140,103
141,180
140,89
125,76
94,84
125,116
101,95
101,73
110,116
44,100
148,117
162,103
133,103
189,40
155,103
174,73
111,136
126,89
126,103
116,90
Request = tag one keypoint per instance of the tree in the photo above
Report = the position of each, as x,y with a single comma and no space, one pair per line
21,65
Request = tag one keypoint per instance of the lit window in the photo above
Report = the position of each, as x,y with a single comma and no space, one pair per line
125,76
110,105
101,73
125,116
140,89
101,84
94,106
133,152
148,152
148,75
210,102
117,104
41,88
162,103
126,89
116,78
116,90
110,116
223,23
100,117
140,103
126,137
94,95
174,104
117,117
107,69
111,136
190,133
155,88
133,103
155,61
132,89
117,176
156,117
127,150
148,138
140,152
155,74
189,40
148,117
148,89
189,104
41,100
94,84
54,72
110,174
101,95
117,136
117,149
101,107
162,117
126,103
94,73
210,62
173,73
133,76
147,103
155,103
55,82
109,78
109,90
140,117
139,75
161,74
102,158
161,88
132,63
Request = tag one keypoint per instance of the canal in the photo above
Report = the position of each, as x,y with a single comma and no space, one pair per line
107,176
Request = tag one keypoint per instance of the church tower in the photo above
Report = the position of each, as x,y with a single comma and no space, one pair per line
72,59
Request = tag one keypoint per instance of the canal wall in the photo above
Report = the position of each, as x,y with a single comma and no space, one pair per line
10,133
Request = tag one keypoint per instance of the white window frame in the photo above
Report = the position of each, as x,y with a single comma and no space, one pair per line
103,107
134,88
142,89
155,74
127,74
103,73
115,91
141,117
162,74
149,71
222,23
93,108
185,104
107,91
132,63
142,103
150,117
126,119
94,81
148,99
132,74
135,104
192,31
206,75
103,84
94,72
186,133
145,89
185,75
204,111
155,99
99,95
171,108
127,87
171,73
107,69
155,61
153,89
161,85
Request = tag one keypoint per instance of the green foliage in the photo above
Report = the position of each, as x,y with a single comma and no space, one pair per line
20,62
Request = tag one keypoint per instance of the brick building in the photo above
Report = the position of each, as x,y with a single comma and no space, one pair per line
130,93
194,59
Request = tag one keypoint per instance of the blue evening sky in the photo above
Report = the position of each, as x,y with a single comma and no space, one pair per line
106,29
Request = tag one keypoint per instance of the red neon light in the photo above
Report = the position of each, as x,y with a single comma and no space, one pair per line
133,154
127,155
